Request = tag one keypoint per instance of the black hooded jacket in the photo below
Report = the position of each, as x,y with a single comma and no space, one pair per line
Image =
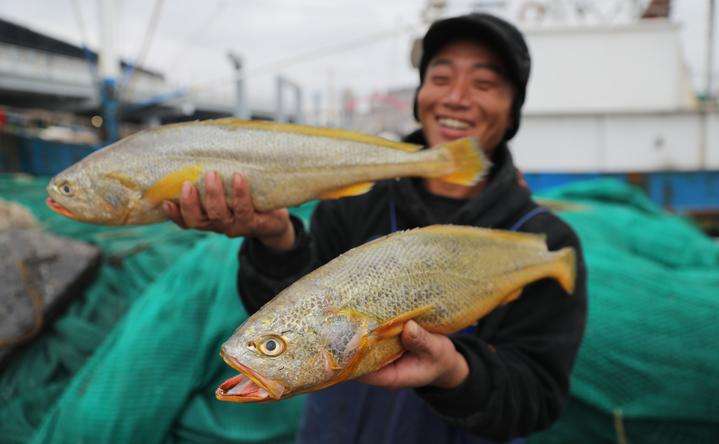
520,355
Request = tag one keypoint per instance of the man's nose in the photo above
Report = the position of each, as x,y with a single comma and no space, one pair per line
458,94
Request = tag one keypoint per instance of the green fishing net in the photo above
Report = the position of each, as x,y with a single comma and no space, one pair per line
135,359
648,369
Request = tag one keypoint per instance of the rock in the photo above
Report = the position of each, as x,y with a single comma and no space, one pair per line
14,215
39,274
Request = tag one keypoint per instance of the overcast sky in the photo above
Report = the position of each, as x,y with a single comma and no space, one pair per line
325,45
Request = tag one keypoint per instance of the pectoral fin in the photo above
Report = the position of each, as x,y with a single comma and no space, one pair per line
169,187
377,356
373,354
351,190
374,349
394,326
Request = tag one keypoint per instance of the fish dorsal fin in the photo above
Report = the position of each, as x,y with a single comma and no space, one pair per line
351,190
469,231
312,131
169,187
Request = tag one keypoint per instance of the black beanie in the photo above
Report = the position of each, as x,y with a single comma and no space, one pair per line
501,36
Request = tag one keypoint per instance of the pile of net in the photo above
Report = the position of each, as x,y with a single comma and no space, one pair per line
135,359
648,369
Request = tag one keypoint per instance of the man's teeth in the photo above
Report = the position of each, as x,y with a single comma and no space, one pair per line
452,123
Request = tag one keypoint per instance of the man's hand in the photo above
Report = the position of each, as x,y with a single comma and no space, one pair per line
431,359
238,218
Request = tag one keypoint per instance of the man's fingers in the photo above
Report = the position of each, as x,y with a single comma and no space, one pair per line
173,213
241,202
190,207
215,202
416,339
385,377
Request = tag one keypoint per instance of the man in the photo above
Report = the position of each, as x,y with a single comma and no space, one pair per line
509,375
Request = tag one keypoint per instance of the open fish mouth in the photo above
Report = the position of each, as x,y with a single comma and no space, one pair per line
248,386
56,207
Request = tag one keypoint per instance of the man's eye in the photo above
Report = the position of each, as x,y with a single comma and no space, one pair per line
440,80
484,85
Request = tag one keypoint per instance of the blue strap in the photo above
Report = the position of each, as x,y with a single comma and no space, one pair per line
522,220
392,216
517,225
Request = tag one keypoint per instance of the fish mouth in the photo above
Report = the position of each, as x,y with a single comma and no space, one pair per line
56,207
248,386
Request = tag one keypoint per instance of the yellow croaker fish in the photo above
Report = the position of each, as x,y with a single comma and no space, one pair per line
126,182
344,319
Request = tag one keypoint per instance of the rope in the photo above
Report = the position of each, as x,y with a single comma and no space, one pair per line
147,41
619,427
285,62
83,36
200,30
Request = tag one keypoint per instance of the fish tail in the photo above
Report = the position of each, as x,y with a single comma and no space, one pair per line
470,162
566,272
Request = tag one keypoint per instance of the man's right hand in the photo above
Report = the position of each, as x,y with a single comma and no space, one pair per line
238,218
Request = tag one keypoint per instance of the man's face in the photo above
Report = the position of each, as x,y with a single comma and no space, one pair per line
464,95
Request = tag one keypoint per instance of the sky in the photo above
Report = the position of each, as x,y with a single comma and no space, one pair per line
323,45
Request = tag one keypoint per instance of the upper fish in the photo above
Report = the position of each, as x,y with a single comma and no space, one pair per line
285,165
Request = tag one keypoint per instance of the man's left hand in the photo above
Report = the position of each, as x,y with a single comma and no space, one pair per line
430,359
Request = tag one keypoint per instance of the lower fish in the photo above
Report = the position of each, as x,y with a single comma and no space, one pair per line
285,165
344,319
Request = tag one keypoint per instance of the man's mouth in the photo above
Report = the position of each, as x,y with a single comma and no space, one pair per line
56,207
248,386
453,124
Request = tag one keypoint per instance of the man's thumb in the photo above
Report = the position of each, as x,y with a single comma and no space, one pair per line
415,339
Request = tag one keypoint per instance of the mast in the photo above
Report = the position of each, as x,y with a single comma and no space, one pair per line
109,69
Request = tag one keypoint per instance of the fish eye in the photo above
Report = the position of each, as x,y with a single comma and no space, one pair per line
271,346
65,189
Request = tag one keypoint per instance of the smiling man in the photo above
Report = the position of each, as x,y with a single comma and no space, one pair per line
504,378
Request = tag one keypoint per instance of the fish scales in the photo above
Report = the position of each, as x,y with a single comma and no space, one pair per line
408,271
338,322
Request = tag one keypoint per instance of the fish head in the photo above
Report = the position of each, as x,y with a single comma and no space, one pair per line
283,349
274,362
86,195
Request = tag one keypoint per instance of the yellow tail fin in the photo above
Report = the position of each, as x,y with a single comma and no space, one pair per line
470,161
567,270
